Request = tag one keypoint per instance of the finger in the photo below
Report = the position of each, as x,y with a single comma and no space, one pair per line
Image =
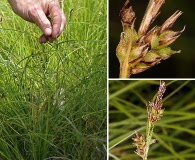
55,11
39,17
63,23
43,39
51,39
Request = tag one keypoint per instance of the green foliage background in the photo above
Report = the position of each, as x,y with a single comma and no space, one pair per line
174,133
177,66
53,96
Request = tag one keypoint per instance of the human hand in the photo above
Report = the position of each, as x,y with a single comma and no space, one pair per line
37,11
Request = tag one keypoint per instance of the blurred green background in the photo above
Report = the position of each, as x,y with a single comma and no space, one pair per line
175,132
177,66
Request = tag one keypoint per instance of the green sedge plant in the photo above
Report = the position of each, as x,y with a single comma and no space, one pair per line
53,96
132,119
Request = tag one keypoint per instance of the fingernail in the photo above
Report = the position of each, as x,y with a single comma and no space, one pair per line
48,31
57,35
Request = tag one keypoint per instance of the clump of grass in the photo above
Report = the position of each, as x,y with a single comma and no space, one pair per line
53,96
139,50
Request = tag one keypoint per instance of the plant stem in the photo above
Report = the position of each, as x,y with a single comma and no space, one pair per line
149,133
125,68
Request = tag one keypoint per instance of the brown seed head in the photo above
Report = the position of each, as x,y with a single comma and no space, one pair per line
138,52
169,22
154,108
127,14
140,143
150,15
168,37
161,91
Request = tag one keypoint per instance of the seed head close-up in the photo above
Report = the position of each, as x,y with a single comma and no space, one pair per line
140,49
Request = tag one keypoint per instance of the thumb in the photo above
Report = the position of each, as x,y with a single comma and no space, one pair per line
37,15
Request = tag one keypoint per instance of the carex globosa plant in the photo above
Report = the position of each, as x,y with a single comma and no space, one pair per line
155,113
139,50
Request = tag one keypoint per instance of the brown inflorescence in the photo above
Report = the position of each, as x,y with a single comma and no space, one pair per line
140,143
155,111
